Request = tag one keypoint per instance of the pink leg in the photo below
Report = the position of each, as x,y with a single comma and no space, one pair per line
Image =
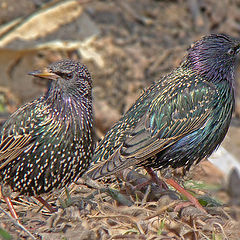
156,179
174,184
46,204
189,196
10,207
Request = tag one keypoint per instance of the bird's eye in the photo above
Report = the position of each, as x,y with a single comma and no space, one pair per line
68,75
231,51
65,75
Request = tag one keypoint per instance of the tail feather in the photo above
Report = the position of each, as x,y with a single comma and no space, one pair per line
114,164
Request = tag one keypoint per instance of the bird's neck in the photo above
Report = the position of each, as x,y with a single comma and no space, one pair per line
70,106
211,71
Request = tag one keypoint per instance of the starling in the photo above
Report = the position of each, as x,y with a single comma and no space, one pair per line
48,143
180,119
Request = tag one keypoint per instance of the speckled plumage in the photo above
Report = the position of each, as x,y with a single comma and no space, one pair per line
180,119
47,143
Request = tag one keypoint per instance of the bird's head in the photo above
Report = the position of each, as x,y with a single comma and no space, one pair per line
214,57
68,75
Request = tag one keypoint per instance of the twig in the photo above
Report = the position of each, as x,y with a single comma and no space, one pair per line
144,200
116,195
192,229
221,227
163,209
85,180
132,219
15,222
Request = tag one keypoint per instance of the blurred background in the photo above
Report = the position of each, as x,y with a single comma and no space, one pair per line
126,44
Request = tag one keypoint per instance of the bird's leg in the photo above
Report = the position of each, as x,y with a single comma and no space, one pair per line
5,195
46,204
188,195
175,185
10,207
156,179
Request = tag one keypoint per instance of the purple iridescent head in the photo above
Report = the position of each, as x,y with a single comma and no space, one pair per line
214,57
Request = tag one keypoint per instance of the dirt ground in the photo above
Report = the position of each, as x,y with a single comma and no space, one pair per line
127,45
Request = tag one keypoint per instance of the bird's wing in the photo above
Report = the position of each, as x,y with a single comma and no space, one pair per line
12,146
20,132
167,120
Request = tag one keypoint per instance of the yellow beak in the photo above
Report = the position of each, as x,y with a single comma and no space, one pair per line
44,74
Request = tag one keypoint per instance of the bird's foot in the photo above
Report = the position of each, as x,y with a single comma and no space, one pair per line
175,185
181,205
189,196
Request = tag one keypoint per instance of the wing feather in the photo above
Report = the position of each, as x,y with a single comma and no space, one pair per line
12,146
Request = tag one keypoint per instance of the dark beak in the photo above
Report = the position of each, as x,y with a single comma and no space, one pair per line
44,74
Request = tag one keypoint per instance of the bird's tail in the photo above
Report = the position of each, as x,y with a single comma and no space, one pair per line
114,164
